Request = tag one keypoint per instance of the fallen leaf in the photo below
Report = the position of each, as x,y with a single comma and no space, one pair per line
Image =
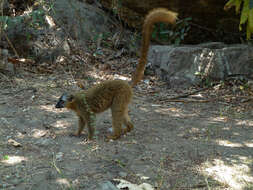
14,143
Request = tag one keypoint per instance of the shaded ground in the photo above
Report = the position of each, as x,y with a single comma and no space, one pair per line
175,145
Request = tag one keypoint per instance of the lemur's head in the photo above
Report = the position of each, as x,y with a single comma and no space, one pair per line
65,101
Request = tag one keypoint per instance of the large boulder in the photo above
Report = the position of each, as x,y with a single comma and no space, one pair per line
189,65
80,21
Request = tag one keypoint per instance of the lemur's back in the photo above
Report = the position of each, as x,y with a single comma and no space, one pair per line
101,96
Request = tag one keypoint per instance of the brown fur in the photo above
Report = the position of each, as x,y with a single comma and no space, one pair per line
154,16
114,94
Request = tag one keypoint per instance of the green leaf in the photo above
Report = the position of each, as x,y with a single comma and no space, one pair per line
6,157
245,13
238,6
188,19
250,20
229,4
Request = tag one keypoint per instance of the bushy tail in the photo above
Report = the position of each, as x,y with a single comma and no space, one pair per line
154,16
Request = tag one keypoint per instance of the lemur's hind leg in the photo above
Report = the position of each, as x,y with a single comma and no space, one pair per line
127,122
119,115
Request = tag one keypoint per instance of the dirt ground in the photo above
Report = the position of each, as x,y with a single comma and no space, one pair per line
174,145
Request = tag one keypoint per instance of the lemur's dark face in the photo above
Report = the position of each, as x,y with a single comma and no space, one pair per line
63,100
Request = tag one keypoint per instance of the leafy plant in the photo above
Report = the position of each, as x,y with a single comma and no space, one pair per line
175,36
6,157
116,4
35,19
246,8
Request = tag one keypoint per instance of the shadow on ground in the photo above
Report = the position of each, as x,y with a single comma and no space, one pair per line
173,145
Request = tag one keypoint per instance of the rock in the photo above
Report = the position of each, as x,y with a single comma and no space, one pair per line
143,177
14,143
16,181
189,64
124,184
59,156
4,64
80,20
37,133
84,22
44,142
4,121
107,185
122,174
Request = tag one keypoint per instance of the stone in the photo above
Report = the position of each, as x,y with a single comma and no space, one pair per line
4,64
44,142
188,65
59,156
122,174
124,184
107,185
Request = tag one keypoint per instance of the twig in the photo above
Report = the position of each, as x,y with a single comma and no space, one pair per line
184,95
13,48
5,77
190,101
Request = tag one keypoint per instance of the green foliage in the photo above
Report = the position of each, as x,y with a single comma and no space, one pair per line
175,36
37,17
116,5
6,157
33,19
3,22
246,8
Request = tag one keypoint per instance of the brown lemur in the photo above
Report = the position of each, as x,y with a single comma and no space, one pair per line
114,94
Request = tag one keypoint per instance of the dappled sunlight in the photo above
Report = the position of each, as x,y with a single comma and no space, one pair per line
20,80
228,143
175,112
50,21
205,61
95,75
98,76
63,182
51,108
144,109
61,124
11,160
249,144
245,122
235,145
219,119
181,130
38,133
120,77
236,176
